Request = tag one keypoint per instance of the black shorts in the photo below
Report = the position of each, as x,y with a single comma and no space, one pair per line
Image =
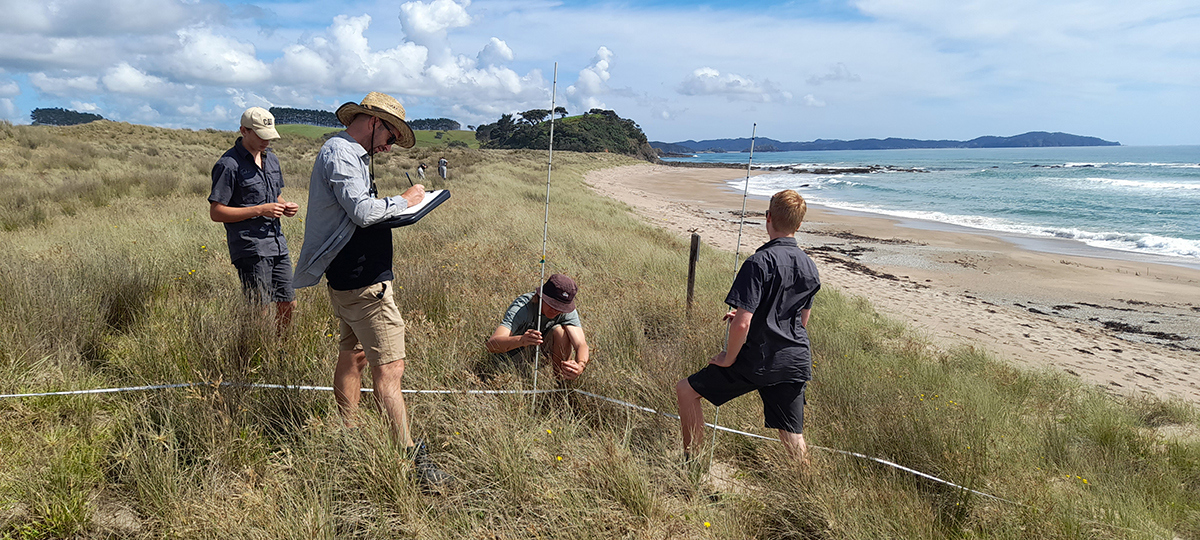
783,403
266,279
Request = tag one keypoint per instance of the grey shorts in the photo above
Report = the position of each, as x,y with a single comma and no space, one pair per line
266,279
783,403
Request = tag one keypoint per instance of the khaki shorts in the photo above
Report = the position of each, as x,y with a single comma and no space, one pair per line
369,318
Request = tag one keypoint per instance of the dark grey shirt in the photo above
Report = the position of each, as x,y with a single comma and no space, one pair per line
775,284
237,181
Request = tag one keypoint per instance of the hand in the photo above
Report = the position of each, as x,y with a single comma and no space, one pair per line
570,370
531,337
271,210
729,316
290,209
414,195
722,360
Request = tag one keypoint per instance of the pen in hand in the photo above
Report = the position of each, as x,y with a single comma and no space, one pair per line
409,178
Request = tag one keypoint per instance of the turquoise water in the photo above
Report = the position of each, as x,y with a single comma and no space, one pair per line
1128,198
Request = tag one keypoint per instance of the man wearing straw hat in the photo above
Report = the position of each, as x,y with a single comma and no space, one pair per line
356,260
246,196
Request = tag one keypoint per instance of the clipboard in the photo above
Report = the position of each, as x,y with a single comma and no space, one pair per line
413,214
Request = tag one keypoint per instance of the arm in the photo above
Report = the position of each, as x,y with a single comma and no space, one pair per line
503,341
804,317
221,213
739,327
348,180
574,368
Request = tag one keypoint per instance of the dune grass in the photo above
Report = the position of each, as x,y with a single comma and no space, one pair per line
114,276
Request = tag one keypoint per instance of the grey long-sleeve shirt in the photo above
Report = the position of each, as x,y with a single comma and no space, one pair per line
339,200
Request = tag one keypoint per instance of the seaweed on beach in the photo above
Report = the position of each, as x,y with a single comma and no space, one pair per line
847,235
1117,326
857,267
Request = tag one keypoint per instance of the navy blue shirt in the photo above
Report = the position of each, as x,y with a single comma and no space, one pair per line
238,181
364,261
775,284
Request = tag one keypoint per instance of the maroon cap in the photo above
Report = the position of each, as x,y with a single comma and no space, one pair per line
559,293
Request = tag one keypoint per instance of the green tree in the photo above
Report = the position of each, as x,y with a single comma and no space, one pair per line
535,116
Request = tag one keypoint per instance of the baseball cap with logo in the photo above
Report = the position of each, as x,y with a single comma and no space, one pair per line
559,293
261,121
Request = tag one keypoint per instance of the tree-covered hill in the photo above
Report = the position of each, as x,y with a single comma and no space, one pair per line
595,131
61,117
1024,140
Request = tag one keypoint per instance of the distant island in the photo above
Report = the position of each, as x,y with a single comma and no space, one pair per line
1024,140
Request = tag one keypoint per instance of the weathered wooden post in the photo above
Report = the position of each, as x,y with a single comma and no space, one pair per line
692,258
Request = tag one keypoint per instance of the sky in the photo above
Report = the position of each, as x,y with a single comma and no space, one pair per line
800,70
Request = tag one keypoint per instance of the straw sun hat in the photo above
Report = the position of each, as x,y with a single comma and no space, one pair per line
381,106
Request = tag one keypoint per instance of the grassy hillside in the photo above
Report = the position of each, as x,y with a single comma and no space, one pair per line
425,138
113,276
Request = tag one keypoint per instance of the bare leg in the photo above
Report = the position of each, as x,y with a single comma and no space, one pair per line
559,349
347,383
283,316
796,447
389,394
691,415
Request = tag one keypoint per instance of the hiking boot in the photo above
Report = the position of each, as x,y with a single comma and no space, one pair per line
431,477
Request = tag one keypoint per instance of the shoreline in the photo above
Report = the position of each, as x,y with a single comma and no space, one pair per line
1131,327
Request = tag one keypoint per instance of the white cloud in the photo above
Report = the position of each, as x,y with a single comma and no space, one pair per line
84,107
126,79
495,53
29,53
812,101
342,60
9,89
345,62
301,65
421,19
837,73
592,82
206,57
426,25
707,81
145,114
64,86
217,115
91,18
7,109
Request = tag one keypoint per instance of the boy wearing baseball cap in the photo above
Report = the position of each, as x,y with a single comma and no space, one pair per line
246,196
558,330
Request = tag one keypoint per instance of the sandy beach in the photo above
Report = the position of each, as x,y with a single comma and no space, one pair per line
1128,327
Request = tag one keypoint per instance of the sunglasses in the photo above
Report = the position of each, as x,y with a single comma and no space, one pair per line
391,134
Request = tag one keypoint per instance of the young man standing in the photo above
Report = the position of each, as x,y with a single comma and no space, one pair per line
356,260
442,166
246,187
560,333
768,347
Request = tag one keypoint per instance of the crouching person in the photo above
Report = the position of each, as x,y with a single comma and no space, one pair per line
560,333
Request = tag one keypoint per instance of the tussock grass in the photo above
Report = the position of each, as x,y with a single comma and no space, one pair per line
123,280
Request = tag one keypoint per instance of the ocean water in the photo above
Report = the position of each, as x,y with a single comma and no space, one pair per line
1135,200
